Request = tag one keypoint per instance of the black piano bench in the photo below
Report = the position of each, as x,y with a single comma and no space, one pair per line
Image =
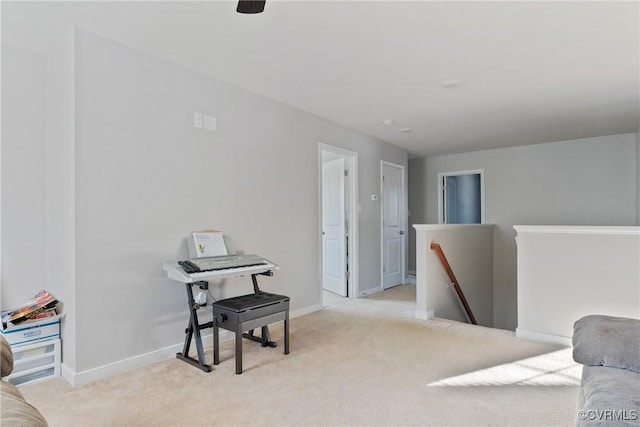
246,313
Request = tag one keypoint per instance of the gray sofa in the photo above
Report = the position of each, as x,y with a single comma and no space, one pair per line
609,349
14,409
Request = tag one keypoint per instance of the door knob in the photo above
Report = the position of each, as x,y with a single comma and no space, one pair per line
401,232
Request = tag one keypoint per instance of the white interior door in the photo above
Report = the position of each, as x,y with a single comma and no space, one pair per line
334,255
393,232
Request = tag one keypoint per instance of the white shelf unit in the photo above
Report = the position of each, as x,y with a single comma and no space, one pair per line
35,362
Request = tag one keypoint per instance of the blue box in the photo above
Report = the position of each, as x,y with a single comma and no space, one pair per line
32,331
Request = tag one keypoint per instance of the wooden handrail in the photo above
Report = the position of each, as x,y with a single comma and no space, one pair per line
436,247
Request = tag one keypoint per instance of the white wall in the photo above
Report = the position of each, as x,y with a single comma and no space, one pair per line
589,181
638,177
143,178
23,177
469,251
565,273
60,246
417,177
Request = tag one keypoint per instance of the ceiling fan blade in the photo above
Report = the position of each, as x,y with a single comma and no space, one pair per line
250,6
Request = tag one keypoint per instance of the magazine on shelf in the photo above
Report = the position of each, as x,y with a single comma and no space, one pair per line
47,314
41,303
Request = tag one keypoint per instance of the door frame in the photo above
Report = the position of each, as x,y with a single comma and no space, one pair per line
405,220
351,164
442,175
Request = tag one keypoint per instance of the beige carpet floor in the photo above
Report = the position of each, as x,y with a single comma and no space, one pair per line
359,363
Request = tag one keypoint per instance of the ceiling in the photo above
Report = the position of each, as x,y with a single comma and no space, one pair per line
523,72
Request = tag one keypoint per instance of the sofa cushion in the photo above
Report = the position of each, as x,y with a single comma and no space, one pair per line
15,411
607,341
609,396
6,357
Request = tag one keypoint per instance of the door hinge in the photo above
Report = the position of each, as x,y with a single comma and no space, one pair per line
384,269
346,172
346,274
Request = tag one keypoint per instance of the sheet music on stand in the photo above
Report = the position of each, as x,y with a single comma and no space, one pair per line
207,243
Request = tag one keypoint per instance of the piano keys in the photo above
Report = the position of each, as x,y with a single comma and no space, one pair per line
219,267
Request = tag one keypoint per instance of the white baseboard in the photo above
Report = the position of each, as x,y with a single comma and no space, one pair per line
548,338
90,375
411,278
84,377
423,315
370,291
306,310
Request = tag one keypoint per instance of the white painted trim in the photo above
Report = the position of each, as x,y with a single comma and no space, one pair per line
466,172
411,278
423,315
77,379
67,374
305,310
427,227
548,338
351,158
90,375
563,229
371,291
405,218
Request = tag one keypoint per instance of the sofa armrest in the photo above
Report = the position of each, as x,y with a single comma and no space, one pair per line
607,341
15,411
6,357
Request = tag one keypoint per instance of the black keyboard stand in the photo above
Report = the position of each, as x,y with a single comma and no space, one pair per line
193,329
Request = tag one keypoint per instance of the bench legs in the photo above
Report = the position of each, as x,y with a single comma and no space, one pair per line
286,333
238,339
239,349
216,339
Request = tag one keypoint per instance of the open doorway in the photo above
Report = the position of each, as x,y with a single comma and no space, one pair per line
338,222
461,197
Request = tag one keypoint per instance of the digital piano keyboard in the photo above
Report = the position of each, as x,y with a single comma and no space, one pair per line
197,272
219,267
